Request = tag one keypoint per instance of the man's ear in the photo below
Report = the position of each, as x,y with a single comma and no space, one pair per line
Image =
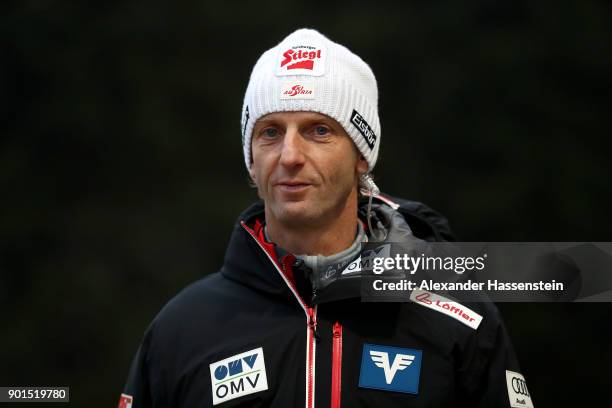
362,165
252,173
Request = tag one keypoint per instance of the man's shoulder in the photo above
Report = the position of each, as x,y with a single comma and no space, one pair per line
202,297
425,222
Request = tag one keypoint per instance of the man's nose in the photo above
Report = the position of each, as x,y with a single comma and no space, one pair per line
292,148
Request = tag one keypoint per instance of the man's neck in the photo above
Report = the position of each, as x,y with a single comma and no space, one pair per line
325,238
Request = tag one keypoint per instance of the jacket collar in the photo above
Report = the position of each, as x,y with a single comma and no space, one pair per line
252,262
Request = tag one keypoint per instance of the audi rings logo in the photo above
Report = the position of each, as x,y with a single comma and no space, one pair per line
520,386
517,390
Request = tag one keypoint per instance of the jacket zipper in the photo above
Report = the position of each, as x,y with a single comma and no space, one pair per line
310,356
336,365
311,326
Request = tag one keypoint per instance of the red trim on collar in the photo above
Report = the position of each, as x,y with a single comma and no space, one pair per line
285,264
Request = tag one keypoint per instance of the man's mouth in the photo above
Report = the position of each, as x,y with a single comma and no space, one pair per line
292,186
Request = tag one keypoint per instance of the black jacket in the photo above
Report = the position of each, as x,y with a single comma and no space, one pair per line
336,353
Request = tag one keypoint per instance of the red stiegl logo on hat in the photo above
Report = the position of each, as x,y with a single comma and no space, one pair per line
301,60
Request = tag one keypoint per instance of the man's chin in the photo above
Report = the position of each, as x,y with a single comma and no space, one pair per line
294,213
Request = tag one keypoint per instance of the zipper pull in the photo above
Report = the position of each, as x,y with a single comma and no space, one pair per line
312,323
337,330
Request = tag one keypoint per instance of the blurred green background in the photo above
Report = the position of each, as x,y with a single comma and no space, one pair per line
121,169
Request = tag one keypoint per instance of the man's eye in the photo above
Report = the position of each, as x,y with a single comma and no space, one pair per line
270,132
321,130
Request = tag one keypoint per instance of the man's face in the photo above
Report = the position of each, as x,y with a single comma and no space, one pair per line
305,167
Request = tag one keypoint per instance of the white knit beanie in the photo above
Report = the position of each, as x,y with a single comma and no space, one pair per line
309,72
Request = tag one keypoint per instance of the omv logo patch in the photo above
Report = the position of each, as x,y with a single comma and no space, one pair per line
390,368
239,375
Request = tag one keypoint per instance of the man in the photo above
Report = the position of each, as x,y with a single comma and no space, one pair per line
282,323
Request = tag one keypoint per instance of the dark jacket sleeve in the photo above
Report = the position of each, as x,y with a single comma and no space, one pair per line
138,387
485,374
